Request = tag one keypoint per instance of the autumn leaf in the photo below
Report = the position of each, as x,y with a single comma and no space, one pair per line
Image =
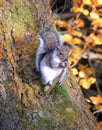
100,125
86,83
99,2
76,33
75,56
79,23
97,39
94,15
81,66
97,107
76,41
63,24
82,74
96,100
74,71
87,2
67,38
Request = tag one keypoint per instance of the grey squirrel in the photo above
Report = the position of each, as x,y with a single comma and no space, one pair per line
51,57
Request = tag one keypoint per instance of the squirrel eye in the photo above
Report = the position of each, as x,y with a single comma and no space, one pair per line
60,54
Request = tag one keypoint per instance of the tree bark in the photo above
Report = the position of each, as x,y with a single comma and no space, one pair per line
21,108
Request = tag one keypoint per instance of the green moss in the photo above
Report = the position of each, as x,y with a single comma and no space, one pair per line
21,14
61,91
48,124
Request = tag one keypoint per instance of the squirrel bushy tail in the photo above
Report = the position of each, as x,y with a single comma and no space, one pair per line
48,36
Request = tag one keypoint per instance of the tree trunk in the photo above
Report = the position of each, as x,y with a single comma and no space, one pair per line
21,108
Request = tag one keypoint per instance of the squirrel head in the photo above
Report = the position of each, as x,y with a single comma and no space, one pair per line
59,57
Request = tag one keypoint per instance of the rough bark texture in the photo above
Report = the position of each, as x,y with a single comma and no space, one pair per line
20,106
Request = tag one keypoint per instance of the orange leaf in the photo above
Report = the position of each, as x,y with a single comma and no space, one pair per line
79,23
88,71
63,24
96,100
76,33
100,125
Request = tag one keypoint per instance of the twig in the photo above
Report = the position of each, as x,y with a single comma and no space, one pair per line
97,86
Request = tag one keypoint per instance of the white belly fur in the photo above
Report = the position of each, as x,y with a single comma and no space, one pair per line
49,74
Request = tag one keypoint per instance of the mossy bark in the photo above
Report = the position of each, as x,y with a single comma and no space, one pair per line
21,108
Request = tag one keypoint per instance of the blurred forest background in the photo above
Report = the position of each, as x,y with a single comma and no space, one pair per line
80,23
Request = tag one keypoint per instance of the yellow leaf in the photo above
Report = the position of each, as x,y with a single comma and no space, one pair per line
76,41
94,15
85,12
99,2
75,56
97,39
87,2
75,71
97,22
82,74
91,80
79,9
66,38
85,84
